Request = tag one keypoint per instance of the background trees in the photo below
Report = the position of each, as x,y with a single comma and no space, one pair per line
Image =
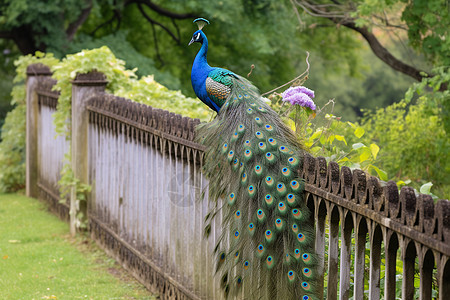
364,54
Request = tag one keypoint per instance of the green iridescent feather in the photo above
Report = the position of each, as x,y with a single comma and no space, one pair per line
252,162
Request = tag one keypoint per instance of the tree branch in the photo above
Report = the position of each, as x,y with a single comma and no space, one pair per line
6,35
73,27
153,22
341,17
383,54
161,10
115,16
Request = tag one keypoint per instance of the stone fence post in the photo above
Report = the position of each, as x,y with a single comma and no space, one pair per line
31,178
83,87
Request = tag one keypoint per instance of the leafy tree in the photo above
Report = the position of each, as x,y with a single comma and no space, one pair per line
413,137
426,23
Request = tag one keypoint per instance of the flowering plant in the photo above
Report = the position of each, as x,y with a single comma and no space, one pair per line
299,95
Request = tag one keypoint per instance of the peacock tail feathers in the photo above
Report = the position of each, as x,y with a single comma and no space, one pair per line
252,161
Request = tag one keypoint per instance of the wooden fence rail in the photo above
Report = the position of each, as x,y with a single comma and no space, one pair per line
145,173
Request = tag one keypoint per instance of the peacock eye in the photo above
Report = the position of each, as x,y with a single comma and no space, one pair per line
198,36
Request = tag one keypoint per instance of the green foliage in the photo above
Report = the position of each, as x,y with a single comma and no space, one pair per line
427,23
124,50
12,145
324,134
12,151
429,28
413,137
121,82
46,19
147,91
375,86
102,60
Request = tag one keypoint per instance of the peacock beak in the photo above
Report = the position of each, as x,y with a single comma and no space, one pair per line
192,40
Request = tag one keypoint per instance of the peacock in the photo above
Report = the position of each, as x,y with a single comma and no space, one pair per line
251,160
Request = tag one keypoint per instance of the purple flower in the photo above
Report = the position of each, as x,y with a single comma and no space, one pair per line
299,95
297,89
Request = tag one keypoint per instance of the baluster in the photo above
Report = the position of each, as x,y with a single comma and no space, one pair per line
346,240
333,253
320,216
391,247
360,249
408,257
426,274
444,278
375,262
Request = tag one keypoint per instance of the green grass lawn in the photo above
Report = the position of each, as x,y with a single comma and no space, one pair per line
39,259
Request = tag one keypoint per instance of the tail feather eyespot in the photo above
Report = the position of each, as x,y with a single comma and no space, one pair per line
269,181
224,148
287,259
235,164
295,185
235,136
286,172
260,215
251,227
283,149
307,272
246,265
268,127
281,188
248,154
251,190
258,169
296,213
244,178
230,155
269,235
270,157
301,237
292,161
231,198
260,249
270,261
262,146
272,142
269,199
306,257
281,207
291,200
291,275
279,224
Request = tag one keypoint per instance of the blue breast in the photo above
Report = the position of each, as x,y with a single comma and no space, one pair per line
200,70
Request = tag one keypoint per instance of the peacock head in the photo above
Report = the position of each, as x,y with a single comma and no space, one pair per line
199,36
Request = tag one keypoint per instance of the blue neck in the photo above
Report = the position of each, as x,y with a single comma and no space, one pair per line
200,58
200,70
